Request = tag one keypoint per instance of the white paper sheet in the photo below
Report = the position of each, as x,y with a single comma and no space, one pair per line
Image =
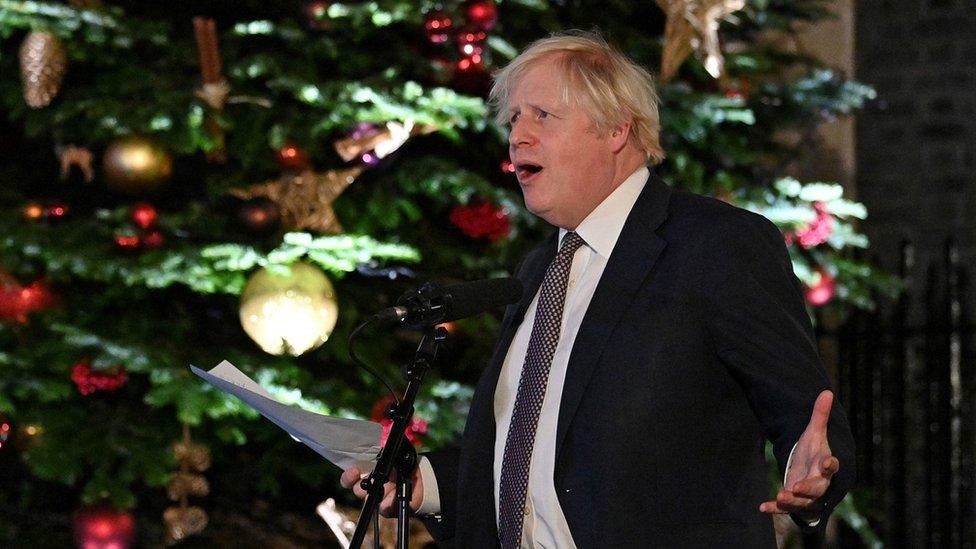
344,442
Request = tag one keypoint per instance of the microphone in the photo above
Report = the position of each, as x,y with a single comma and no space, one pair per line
433,304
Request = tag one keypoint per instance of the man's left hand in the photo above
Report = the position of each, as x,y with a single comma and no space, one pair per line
810,469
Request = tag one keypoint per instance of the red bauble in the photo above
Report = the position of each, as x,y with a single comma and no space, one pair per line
416,428
292,158
823,291
88,381
144,215
128,242
481,13
437,26
102,527
482,221
508,166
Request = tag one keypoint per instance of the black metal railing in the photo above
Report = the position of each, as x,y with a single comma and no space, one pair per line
906,374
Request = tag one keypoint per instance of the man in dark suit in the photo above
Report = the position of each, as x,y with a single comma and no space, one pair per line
661,339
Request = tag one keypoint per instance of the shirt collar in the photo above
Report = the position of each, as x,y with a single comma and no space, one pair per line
601,228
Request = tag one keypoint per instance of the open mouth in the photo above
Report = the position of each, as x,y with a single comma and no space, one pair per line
526,170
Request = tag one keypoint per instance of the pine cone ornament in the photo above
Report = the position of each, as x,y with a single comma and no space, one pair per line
183,485
196,456
182,522
42,65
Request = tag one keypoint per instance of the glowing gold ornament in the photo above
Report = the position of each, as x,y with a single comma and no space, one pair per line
136,164
291,312
305,200
42,65
693,26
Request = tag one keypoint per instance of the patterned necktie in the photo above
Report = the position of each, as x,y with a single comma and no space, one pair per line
531,392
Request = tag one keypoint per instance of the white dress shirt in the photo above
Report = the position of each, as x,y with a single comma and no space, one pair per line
545,526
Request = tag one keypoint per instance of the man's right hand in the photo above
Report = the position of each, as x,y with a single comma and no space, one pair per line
351,478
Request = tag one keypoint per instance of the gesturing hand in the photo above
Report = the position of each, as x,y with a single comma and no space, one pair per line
811,468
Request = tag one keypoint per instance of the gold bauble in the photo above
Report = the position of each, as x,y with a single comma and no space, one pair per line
42,65
289,312
136,164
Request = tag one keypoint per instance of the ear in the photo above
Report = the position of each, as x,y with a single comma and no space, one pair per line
619,135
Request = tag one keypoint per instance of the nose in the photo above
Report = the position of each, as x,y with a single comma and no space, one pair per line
520,134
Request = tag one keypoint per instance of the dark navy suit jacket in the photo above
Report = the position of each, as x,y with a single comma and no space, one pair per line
695,349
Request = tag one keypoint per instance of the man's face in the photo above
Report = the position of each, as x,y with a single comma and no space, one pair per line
565,168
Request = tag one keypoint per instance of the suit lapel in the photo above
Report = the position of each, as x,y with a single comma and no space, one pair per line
531,273
633,256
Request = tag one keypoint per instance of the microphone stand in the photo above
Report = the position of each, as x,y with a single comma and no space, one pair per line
398,451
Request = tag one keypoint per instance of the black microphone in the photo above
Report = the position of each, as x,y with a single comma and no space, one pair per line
433,304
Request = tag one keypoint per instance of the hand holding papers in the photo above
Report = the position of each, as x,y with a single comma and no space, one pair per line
344,442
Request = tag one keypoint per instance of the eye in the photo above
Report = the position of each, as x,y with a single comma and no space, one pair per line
542,115
514,118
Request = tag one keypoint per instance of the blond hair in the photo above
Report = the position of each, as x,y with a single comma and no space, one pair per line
598,78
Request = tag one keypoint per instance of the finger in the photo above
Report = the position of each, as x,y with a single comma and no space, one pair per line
387,507
790,500
821,411
350,477
785,502
829,466
812,487
771,507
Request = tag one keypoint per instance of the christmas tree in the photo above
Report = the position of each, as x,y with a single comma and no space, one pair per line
249,180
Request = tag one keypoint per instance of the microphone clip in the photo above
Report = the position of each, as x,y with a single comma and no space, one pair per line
426,306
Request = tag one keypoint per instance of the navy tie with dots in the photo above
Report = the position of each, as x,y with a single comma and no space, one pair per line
531,392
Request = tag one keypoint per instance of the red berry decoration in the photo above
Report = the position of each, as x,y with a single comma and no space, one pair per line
481,13
128,242
89,381
508,166
16,301
817,231
416,428
482,221
153,239
437,26
292,158
102,527
823,291
144,215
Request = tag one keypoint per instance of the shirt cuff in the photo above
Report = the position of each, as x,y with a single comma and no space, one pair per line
811,519
431,503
